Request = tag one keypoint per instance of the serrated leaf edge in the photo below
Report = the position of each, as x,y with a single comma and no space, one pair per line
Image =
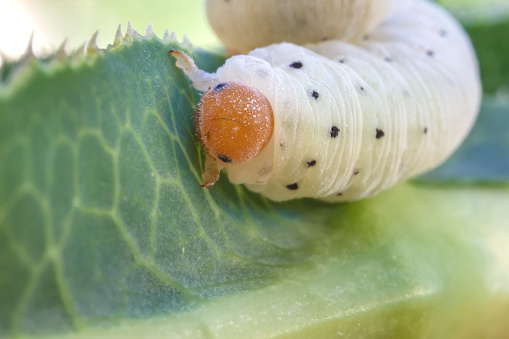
86,53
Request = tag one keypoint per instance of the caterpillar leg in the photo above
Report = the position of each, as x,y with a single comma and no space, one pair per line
211,171
202,80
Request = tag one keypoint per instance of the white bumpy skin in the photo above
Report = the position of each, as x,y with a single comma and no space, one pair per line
245,25
351,120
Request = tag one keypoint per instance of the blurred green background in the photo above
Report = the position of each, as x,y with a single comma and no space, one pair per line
54,20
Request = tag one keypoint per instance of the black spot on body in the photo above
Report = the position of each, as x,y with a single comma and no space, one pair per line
334,132
379,133
311,163
387,59
430,53
315,94
342,61
339,194
293,186
425,130
224,158
355,172
296,65
219,87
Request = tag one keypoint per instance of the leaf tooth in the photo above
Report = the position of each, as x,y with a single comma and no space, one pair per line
149,32
129,30
131,34
3,60
186,43
3,57
118,37
22,66
92,47
167,37
61,53
60,56
78,54
30,45
29,52
25,60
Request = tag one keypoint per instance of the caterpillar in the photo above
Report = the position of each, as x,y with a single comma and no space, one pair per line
244,25
337,120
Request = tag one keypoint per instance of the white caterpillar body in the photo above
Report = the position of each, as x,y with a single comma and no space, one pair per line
353,120
248,24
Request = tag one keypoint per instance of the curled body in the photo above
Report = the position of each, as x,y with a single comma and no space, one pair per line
351,120
248,24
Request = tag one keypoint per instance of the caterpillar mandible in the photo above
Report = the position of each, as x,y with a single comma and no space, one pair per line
345,121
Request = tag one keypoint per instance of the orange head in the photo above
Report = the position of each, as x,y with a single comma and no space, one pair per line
233,122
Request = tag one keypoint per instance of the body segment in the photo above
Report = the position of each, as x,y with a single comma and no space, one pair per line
248,24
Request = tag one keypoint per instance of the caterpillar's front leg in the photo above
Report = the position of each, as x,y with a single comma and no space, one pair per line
202,80
211,171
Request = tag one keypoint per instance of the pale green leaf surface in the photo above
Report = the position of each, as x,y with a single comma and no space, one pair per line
103,225
437,268
101,210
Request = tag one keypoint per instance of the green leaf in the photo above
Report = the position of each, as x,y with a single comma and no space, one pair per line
487,24
104,230
413,262
101,213
492,48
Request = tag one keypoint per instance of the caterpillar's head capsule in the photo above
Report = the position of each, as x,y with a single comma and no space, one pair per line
233,122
